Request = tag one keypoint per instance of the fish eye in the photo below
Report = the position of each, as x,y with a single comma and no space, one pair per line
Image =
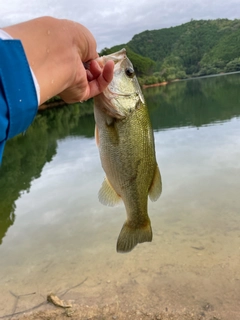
130,72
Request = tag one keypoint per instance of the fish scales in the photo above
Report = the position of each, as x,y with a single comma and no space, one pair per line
126,145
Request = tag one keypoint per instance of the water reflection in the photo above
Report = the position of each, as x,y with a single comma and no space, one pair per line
50,179
25,156
187,103
194,103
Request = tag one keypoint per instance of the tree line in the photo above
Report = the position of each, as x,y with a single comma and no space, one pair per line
197,48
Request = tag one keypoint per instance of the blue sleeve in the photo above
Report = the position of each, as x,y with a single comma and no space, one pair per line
18,97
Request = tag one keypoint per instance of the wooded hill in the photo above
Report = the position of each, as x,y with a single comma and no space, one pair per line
196,48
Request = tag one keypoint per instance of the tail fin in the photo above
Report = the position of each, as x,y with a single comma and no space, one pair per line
130,236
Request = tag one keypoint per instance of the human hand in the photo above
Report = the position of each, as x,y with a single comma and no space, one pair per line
56,50
91,83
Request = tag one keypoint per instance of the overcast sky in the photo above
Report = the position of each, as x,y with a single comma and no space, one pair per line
117,21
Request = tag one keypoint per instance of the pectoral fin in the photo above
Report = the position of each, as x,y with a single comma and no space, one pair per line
156,186
107,195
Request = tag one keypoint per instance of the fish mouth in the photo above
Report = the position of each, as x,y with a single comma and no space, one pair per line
112,95
116,57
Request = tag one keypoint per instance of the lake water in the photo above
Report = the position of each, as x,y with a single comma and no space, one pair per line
54,233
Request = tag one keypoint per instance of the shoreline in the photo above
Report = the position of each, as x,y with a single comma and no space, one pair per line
159,84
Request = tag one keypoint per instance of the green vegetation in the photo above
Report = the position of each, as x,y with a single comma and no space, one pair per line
193,49
142,65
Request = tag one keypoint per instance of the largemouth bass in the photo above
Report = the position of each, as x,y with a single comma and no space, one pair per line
126,145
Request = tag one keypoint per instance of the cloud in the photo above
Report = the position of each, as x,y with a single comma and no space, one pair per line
117,22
